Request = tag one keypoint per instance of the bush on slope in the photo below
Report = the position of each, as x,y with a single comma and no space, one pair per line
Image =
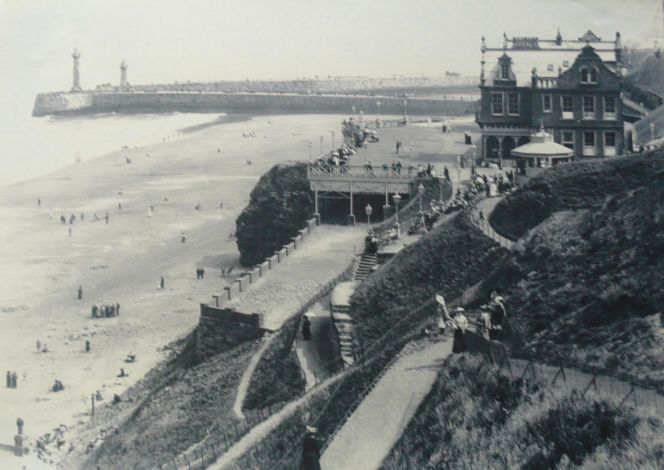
476,417
580,185
278,207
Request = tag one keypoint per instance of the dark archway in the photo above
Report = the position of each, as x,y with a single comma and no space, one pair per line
492,147
523,140
507,145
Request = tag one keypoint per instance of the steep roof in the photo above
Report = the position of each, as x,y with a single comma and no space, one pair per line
546,55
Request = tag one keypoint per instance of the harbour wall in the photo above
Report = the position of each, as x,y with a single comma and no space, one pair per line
264,103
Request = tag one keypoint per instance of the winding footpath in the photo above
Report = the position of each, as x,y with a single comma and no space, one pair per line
375,426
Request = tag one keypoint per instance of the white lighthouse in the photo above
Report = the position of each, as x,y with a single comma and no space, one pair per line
76,86
123,74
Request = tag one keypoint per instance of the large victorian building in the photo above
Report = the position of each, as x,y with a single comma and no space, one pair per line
572,88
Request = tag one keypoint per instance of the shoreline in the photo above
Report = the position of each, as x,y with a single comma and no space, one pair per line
121,262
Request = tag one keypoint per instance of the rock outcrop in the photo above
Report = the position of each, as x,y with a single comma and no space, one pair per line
279,206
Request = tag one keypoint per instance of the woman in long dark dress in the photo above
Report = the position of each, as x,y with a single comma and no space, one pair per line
460,325
306,328
310,451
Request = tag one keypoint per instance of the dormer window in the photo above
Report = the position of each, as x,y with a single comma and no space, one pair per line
588,75
504,71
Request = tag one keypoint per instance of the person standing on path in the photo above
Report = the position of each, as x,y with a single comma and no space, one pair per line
87,346
161,282
80,292
460,326
310,450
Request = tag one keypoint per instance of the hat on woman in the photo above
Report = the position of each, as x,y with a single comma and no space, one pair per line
459,310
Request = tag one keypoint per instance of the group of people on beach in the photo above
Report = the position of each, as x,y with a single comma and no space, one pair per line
12,379
200,272
105,311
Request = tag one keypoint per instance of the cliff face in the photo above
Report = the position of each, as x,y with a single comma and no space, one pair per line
158,102
279,206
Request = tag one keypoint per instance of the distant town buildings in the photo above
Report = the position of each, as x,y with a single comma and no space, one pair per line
570,88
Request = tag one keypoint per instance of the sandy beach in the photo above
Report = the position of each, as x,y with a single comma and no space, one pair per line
121,261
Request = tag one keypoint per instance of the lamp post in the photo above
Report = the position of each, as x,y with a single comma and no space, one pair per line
320,139
378,103
368,210
396,198
420,191
405,109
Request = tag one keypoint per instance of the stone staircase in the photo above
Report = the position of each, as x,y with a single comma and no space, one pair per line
364,267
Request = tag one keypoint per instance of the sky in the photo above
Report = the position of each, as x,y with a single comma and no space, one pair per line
205,40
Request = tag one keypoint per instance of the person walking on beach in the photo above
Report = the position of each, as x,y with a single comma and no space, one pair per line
39,203
119,206
183,237
87,346
161,282
69,232
80,292
117,309
38,346
106,217
9,379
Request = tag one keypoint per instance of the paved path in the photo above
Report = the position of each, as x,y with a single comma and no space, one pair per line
313,365
372,430
243,387
486,206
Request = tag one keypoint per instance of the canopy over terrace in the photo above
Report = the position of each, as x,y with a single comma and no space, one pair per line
542,152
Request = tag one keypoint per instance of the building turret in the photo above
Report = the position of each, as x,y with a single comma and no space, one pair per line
123,74
618,47
76,85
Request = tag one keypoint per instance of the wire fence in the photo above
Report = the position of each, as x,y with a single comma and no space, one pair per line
559,374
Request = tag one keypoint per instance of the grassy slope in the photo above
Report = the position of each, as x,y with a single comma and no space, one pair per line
184,402
277,376
475,417
452,257
591,286
581,185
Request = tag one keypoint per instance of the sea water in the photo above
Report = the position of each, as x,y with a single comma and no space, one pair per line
31,147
